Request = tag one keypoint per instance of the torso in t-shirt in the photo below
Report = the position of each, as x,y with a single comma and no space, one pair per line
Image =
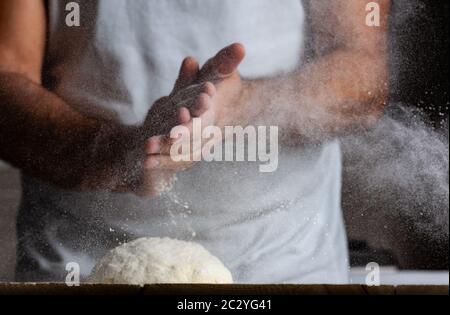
280,227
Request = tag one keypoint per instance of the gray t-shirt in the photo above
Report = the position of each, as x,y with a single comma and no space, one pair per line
281,227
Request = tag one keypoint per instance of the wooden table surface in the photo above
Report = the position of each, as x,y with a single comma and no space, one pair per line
206,289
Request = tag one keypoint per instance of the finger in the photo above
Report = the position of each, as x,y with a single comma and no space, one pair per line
165,159
188,73
203,101
209,88
186,159
202,109
165,163
186,96
184,116
224,64
159,145
153,145
202,105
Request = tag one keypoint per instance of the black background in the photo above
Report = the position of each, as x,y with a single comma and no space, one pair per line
419,65
420,77
420,57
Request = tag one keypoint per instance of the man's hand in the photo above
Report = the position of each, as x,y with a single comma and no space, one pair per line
158,170
218,108
222,70
165,112
194,96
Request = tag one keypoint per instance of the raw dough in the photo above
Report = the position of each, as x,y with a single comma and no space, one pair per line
160,260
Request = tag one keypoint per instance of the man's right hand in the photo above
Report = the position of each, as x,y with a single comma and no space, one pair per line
217,109
194,96
159,170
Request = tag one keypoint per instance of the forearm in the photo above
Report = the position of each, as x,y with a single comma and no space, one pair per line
46,138
337,93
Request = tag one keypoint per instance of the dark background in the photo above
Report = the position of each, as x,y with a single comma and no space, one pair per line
421,56
419,64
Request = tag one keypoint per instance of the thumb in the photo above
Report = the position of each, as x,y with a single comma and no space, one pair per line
187,75
224,64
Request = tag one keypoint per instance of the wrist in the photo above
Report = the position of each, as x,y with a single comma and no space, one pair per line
130,154
249,104
117,154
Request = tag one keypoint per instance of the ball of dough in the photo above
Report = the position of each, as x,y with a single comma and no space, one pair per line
160,260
